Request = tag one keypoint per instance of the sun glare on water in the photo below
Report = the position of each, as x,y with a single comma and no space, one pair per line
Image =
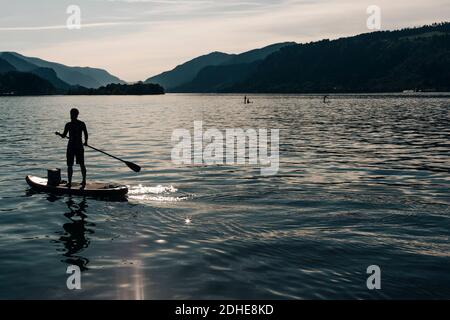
157,193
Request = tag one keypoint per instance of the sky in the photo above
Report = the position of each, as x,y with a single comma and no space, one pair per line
136,39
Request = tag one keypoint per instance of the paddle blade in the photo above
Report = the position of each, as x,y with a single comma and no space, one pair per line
133,166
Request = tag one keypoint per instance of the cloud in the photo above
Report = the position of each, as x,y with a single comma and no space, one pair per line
84,25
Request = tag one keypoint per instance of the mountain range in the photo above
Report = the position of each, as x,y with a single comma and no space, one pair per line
59,76
176,79
385,61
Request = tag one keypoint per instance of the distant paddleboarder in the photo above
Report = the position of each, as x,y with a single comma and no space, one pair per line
75,128
245,100
325,99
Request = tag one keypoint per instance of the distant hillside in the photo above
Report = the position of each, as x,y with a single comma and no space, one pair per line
23,65
238,67
187,71
23,84
101,76
388,61
18,63
50,75
5,66
22,76
256,54
139,88
181,77
81,76
218,78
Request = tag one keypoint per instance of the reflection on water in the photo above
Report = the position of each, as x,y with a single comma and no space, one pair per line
76,233
362,181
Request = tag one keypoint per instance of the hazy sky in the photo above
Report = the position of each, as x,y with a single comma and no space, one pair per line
135,39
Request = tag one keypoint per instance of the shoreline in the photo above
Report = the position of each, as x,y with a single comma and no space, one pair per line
306,95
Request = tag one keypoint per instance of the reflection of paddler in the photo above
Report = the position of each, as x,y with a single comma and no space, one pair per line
75,234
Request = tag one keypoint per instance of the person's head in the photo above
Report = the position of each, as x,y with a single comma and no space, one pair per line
74,114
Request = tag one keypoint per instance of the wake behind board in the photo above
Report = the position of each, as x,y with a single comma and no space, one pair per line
93,189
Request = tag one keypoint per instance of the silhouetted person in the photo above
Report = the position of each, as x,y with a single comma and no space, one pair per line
245,100
325,99
75,128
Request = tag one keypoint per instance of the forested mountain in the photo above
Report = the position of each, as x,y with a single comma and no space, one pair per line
23,84
220,77
188,70
389,61
5,66
70,76
186,75
256,54
21,75
386,61
139,88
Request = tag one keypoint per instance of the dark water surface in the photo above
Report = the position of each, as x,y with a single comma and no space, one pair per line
362,181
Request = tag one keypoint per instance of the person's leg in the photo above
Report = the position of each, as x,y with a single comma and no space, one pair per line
69,174
80,161
70,158
83,172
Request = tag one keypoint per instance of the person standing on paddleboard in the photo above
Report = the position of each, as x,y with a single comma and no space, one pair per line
75,128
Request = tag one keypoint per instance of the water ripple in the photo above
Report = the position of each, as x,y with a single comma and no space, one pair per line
362,181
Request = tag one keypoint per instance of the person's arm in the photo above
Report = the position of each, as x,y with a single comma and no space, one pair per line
86,135
66,131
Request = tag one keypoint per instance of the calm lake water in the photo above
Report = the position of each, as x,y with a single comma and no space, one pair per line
362,181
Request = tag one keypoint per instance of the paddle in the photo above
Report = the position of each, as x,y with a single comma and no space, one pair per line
131,165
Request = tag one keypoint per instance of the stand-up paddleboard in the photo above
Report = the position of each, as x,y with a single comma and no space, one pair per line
93,189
